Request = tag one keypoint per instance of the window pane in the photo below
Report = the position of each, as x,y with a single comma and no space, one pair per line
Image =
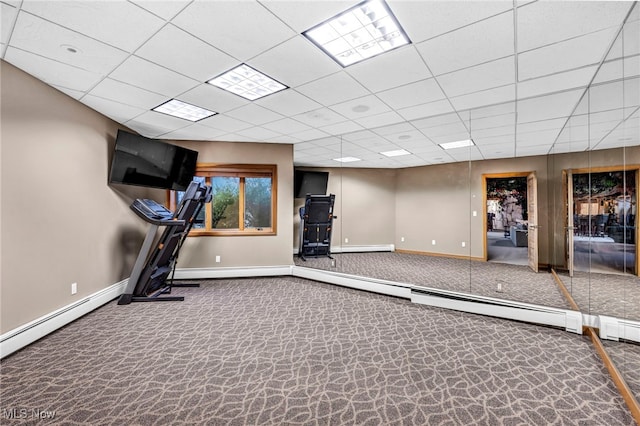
225,202
257,202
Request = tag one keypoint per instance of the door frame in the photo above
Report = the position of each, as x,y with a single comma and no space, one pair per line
600,169
486,176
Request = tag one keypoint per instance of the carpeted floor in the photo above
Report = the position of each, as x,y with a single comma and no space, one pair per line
285,351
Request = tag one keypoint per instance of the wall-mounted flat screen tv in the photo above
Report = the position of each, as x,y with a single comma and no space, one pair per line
142,161
309,182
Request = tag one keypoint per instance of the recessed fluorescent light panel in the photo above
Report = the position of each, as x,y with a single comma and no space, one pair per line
346,159
184,110
246,82
364,31
396,153
457,144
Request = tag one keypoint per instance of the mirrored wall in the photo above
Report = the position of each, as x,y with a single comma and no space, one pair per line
496,224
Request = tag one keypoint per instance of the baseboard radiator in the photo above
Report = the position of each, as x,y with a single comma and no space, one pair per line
569,320
24,335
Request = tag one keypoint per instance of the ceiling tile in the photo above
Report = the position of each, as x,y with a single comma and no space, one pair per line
391,69
155,124
302,16
435,121
288,102
213,98
52,41
446,129
8,15
166,9
295,62
426,110
286,126
118,23
195,131
259,133
498,95
383,119
225,123
480,42
547,107
254,114
320,117
241,29
542,23
179,51
309,135
114,110
127,94
412,94
361,107
567,55
426,19
481,77
52,72
556,82
341,128
146,75
333,89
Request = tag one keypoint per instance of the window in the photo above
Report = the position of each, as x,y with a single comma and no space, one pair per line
244,200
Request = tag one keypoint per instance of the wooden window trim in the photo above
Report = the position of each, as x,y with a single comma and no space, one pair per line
209,170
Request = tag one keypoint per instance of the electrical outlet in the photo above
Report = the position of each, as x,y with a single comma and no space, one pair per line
402,239
346,240
433,242
217,259
74,288
464,244
475,213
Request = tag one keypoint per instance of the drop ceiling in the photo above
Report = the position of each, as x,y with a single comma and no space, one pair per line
509,75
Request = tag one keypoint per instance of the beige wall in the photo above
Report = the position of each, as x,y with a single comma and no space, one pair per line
61,223
364,206
200,252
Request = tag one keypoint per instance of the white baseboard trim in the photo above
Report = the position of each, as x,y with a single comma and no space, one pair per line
571,321
389,288
211,273
358,249
616,328
22,336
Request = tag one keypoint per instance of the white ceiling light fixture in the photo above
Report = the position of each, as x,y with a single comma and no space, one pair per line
396,153
457,144
346,159
366,30
247,82
184,110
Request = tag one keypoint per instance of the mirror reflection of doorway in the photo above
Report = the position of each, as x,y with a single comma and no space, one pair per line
604,221
507,220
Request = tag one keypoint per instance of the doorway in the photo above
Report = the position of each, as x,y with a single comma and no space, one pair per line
602,221
510,217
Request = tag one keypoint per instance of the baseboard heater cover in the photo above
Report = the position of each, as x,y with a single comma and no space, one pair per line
570,320
389,288
211,273
615,329
26,334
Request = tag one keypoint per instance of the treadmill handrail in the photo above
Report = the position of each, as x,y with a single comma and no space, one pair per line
170,221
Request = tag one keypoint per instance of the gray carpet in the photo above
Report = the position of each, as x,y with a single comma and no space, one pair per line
284,351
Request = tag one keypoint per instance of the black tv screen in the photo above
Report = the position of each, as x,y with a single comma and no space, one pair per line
142,161
309,182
